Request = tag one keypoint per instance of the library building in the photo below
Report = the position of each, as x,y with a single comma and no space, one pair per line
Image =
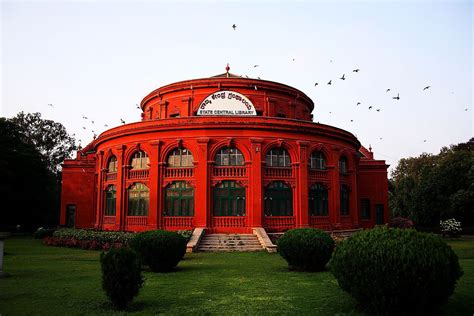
228,155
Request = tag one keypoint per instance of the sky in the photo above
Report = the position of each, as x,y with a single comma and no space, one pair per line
100,58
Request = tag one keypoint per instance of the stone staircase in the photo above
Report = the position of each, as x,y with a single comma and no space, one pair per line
229,242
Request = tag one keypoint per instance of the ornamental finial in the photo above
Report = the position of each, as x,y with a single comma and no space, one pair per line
227,68
370,148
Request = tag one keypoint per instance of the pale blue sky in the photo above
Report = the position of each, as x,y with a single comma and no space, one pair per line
100,58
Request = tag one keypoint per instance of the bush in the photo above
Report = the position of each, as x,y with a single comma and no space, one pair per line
121,276
306,249
161,250
400,222
389,270
450,227
44,232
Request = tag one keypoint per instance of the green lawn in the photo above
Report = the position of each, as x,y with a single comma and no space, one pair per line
49,280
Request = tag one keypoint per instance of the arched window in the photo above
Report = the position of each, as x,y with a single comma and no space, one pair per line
278,157
138,200
343,165
344,200
140,160
278,199
180,157
317,161
229,156
179,199
229,199
110,196
318,200
112,164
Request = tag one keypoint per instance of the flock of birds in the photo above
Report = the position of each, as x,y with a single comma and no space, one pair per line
343,77
329,83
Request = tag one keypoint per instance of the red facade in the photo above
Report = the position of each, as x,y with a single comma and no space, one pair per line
178,170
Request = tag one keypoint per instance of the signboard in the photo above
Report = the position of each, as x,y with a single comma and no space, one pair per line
226,103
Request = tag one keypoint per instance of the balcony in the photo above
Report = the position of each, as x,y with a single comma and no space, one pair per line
318,174
111,176
279,223
321,222
178,221
109,219
137,220
272,172
229,171
138,174
228,221
179,172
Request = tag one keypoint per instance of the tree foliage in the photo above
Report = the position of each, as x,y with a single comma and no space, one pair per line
31,150
430,188
48,137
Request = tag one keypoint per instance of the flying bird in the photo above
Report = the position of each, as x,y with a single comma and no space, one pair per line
378,110
397,97
105,125
315,84
258,78
352,120
293,59
330,60
358,103
466,109
255,66
83,127
356,70
329,83
138,107
380,138
387,90
92,122
49,104
424,141
234,26
426,88
343,78
122,121
370,107
84,117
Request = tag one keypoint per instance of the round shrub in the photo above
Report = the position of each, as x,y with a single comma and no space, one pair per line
400,222
306,249
161,250
390,270
121,276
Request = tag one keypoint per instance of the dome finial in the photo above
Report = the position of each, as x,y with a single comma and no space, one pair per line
227,68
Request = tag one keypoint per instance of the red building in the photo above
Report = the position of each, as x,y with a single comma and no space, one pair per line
227,154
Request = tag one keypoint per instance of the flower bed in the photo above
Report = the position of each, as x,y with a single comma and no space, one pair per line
94,239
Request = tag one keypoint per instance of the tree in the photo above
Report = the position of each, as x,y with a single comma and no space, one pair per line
28,188
48,137
433,187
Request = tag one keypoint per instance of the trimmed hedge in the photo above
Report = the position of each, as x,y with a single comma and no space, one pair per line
89,239
389,270
306,249
161,250
121,276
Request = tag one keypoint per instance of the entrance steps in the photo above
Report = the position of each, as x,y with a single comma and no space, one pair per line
230,242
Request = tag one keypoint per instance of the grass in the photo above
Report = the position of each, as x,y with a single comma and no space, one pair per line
49,280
